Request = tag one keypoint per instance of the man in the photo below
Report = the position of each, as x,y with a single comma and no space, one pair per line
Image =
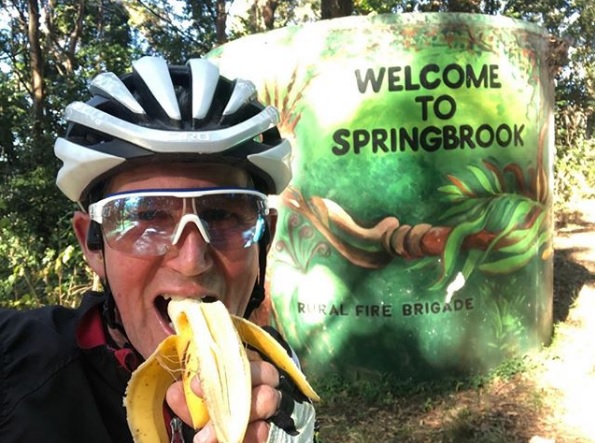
170,166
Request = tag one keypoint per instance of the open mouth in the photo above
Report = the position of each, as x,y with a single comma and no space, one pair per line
161,303
161,306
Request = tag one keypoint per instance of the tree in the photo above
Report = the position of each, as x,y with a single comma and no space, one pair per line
48,55
246,17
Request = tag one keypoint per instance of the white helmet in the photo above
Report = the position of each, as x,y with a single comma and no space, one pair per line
162,112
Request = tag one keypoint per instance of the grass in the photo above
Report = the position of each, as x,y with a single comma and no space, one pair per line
453,410
513,403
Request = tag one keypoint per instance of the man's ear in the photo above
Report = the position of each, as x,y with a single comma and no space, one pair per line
81,222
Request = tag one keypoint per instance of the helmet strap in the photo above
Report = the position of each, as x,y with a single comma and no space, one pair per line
258,293
110,310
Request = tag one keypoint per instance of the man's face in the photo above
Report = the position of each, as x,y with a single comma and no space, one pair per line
190,268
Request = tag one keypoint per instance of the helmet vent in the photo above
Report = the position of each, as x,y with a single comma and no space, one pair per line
155,87
108,85
205,78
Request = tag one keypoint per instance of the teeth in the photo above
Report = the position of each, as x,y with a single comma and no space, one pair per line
206,298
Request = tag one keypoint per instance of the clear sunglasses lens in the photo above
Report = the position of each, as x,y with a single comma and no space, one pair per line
236,238
141,225
146,225
230,220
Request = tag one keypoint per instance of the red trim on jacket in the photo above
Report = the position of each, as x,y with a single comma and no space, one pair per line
90,334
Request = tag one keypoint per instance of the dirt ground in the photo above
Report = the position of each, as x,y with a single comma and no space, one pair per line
568,372
546,398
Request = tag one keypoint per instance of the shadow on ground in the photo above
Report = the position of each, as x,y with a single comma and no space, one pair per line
569,278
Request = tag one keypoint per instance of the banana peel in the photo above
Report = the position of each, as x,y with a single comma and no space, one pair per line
209,343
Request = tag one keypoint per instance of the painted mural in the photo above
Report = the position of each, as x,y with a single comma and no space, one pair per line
416,236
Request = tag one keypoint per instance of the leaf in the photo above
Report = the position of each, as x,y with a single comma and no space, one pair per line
462,186
524,238
520,213
453,246
452,193
508,264
508,211
421,263
470,204
482,178
67,253
471,262
497,181
450,189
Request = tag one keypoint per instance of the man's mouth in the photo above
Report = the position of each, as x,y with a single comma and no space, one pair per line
162,301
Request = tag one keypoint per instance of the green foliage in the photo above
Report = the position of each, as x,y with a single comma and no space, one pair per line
575,175
175,30
575,156
33,275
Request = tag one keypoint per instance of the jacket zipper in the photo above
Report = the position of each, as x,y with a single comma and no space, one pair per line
176,430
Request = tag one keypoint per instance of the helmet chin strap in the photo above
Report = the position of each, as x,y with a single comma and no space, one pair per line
110,310
258,293
111,315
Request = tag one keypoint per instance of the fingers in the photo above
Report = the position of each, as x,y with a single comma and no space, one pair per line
176,399
205,435
257,432
266,400
264,373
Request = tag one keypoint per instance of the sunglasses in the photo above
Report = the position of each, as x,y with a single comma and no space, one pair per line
149,222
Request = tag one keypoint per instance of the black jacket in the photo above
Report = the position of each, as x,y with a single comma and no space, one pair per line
51,390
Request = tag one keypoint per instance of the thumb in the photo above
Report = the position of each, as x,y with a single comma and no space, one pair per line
176,400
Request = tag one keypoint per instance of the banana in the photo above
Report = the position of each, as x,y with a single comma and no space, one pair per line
210,343
148,383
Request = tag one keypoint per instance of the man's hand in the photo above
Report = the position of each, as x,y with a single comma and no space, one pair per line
265,402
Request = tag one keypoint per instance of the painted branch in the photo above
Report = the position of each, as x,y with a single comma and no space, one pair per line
373,256
387,239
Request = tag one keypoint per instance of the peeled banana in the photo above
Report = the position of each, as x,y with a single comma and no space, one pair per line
210,343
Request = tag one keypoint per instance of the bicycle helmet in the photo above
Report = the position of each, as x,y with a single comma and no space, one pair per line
162,112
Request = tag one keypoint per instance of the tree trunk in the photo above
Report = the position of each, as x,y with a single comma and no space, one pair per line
220,22
335,8
268,13
36,57
64,49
